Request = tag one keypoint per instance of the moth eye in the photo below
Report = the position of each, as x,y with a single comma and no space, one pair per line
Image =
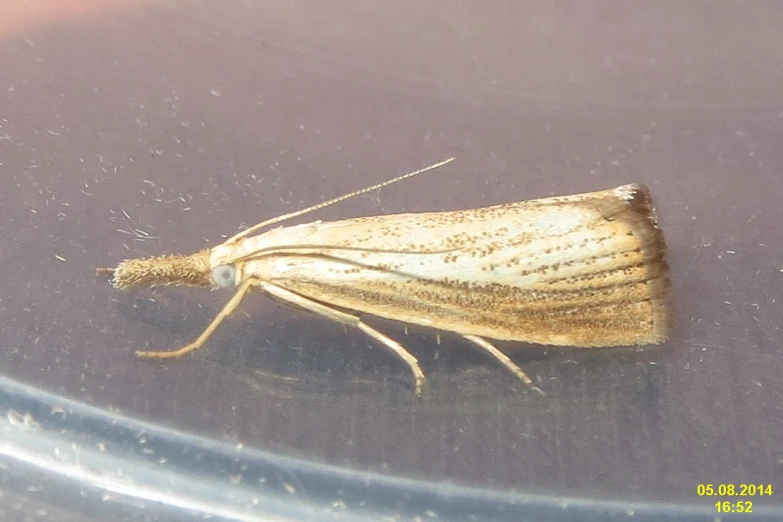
224,276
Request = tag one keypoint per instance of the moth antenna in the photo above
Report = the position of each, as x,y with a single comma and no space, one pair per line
319,206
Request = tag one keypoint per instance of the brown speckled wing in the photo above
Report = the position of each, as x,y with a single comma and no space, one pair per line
586,270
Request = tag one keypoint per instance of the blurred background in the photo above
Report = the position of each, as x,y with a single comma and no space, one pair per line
137,128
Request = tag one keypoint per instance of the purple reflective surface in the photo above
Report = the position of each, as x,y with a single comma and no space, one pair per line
163,127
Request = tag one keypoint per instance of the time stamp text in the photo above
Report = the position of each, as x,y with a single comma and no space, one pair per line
740,494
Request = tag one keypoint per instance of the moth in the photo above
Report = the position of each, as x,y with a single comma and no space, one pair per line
586,270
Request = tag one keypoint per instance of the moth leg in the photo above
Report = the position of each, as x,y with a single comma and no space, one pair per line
504,360
206,334
351,320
